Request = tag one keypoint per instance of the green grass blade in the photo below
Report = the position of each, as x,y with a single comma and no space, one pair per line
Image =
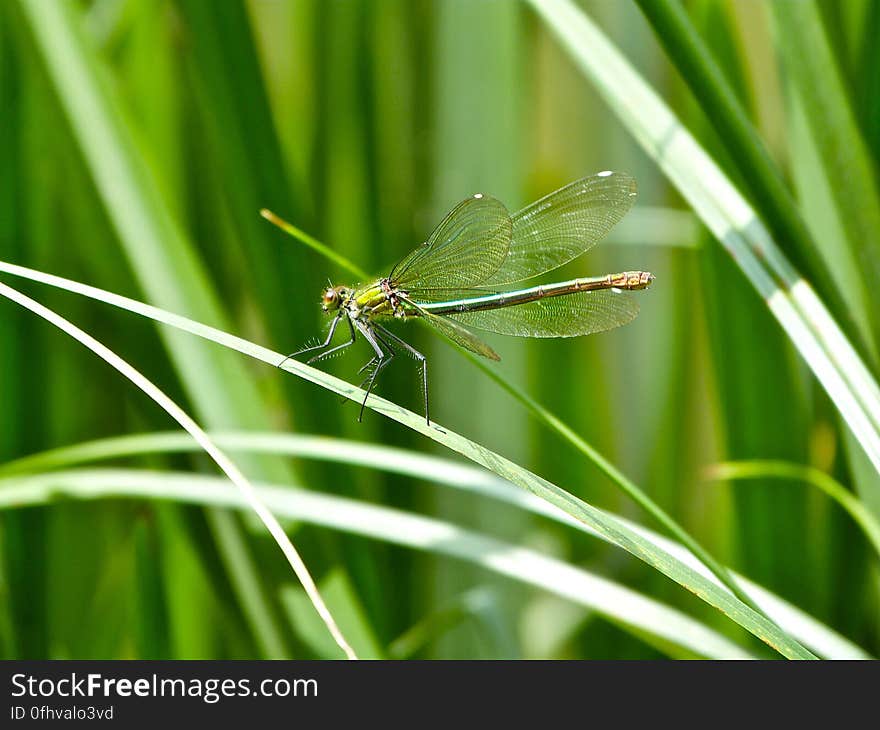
813,69
153,629
702,73
612,529
616,602
478,135
24,624
314,244
226,465
728,215
815,168
338,591
162,259
233,104
760,469
428,628
423,467
619,478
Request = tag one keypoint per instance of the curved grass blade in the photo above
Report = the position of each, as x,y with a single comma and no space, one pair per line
314,244
232,102
476,603
705,78
762,469
162,259
223,461
812,70
617,603
444,472
611,528
731,219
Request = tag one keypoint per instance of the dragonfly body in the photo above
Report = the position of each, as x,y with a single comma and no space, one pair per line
627,280
461,277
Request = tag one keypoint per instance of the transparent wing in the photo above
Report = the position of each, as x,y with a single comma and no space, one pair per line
468,246
458,334
572,315
563,225
440,294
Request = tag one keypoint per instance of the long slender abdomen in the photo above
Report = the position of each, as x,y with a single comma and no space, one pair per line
626,280
631,280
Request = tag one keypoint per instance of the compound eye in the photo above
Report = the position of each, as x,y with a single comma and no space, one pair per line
329,297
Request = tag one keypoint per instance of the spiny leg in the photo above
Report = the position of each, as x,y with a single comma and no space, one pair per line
418,356
366,366
380,365
327,353
381,361
374,361
333,325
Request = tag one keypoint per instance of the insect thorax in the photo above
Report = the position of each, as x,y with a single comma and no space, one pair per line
377,300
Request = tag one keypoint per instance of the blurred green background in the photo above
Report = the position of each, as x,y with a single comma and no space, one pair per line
363,122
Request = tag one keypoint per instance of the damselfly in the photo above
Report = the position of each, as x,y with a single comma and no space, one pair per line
462,276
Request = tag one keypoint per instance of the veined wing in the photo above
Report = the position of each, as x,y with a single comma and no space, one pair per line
443,294
458,334
570,315
467,247
563,225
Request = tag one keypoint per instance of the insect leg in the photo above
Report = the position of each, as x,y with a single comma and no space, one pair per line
327,353
389,355
381,361
418,356
333,325
365,366
374,361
